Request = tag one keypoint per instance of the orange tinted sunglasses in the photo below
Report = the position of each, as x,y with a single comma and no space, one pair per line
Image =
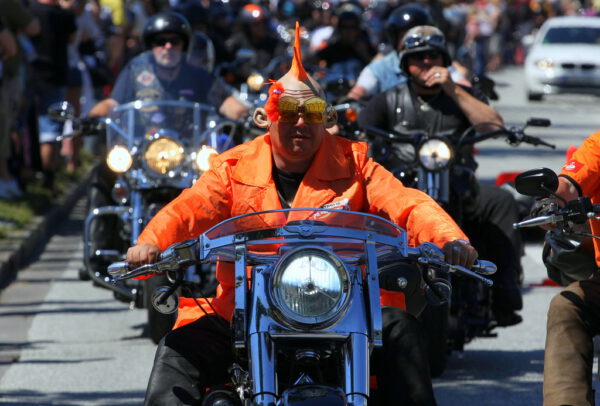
313,110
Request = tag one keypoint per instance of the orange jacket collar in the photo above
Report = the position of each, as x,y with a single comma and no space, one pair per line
329,163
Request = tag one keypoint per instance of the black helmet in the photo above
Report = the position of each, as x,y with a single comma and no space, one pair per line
349,11
403,19
423,38
170,22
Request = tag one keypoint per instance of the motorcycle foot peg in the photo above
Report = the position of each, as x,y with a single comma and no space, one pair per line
438,293
163,305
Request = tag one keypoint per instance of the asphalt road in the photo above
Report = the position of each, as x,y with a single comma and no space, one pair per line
65,342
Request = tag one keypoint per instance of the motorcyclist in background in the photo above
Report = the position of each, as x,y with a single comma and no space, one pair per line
255,34
298,163
573,316
161,73
349,41
384,73
431,102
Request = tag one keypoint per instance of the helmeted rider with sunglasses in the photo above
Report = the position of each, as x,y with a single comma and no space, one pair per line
296,164
160,73
431,102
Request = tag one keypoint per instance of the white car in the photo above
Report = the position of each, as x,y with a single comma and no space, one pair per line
564,58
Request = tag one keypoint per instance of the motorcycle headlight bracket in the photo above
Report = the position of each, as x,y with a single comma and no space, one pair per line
329,283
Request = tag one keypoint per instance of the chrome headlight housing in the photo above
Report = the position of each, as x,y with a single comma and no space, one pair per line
310,286
164,155
435,154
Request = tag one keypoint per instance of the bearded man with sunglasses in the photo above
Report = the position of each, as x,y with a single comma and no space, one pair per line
162,72
432,103
297,164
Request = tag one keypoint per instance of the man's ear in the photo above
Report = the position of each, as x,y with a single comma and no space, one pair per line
260,118
331,117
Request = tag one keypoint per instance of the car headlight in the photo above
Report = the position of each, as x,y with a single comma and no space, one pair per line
203,157
163,155
119,159
255,82
310,286
435,154
545,63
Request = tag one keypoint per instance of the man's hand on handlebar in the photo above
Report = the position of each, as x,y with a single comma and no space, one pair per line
460,252
142,254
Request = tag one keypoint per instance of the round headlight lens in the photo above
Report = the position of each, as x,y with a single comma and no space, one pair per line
203,157
163,155
119,159
255,82
435,154
310,285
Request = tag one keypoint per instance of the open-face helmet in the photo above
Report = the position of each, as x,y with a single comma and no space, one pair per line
167,22
423,38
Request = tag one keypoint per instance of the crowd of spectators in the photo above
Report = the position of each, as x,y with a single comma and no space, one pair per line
55,50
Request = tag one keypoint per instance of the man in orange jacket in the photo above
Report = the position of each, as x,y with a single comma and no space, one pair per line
298,163
573,316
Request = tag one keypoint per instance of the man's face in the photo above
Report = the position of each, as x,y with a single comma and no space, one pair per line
298,133
167,49
420,63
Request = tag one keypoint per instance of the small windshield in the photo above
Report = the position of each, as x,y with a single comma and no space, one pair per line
296,217
344,232
572,35
137,121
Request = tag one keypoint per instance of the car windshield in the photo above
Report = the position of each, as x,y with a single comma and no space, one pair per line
572,35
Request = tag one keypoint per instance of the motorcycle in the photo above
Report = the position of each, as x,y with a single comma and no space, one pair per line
437,165
307,312
155,150
568,253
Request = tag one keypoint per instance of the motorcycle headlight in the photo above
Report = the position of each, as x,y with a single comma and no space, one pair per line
255,82
163,155
310,286
119,159
202,157
435,154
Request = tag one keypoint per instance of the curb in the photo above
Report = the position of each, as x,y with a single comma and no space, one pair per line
22,245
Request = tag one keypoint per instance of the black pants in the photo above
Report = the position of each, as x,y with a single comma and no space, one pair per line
488,224
196,356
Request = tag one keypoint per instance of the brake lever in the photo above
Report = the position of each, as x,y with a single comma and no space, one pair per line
448,268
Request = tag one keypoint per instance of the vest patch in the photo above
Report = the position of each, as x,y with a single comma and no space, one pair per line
145,78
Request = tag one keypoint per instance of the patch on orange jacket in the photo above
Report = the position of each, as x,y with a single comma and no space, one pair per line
573,166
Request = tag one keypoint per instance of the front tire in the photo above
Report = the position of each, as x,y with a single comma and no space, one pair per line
435,326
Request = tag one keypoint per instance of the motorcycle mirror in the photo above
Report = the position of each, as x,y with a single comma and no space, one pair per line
61,111
541,182
538,122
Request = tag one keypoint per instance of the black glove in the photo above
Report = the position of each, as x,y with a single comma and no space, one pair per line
544,207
